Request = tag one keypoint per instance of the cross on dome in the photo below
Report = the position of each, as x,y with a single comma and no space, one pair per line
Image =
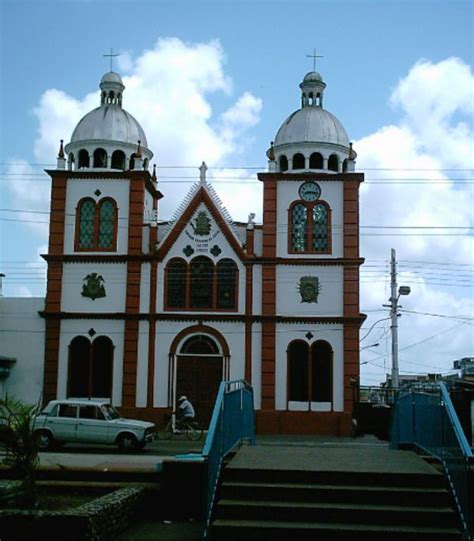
111,55
314,56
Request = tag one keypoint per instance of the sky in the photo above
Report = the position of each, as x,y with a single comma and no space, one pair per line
214,81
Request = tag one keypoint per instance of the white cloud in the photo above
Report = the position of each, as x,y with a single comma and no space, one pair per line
422,162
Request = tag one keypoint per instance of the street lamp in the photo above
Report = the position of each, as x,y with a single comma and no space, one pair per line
371,346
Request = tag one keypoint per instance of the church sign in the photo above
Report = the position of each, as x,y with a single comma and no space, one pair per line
202,233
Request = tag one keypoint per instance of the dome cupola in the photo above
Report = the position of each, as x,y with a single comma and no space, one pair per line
311,138
108,137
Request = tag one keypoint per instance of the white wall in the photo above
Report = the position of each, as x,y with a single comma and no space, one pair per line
118,189
288,298
22,337
333,334
145,288
332,193
115,279
114,329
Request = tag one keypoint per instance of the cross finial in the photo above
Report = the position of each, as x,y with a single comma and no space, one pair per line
314,56
111,55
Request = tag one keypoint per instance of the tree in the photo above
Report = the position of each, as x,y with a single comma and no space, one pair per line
17,438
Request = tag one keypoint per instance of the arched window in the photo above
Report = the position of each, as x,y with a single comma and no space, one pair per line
78,375
176,283
298,371
283,163
70,161
132,161
107,226
321,384
96,225
316,161
86,219
201,285
100,158
310,372
309,227
83,158
90,367
298,161
227,274
202,274
333,163
118,160
299,228
200,344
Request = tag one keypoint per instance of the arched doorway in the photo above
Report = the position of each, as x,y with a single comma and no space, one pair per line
90,367
199,374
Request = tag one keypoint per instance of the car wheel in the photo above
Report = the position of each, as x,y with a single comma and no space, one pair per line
126,442
43,440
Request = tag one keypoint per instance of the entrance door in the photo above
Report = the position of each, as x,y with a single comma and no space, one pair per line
199,374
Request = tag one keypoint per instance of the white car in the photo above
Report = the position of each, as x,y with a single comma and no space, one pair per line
82,420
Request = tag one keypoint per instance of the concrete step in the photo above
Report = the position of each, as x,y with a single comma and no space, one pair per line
271,530
360,478
247,490
341,513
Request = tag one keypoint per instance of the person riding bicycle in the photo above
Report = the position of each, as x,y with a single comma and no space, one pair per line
185,410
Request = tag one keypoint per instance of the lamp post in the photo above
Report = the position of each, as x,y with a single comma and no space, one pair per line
371,346
402,290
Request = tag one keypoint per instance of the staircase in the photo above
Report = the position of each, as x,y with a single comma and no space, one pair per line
267,503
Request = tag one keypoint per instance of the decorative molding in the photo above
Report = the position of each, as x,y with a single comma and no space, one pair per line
93,287
309,288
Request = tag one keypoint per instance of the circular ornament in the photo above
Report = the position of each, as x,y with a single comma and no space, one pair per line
309,191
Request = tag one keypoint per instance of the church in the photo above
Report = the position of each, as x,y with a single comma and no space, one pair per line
141,311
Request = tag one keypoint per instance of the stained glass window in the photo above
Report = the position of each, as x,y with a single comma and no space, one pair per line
176,284
299,230
320,228
226,283
106,224
86,224
298,371
201,282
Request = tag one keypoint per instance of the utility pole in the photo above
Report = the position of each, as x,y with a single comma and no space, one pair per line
394,316
394,296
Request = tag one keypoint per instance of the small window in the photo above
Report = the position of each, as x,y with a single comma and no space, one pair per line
333,163
88,412
118,160
176,283
83,158
100,158
283,163
200,344
86,224
96,225
309,227
298,161
316,161
107,214
66,410
299,227
298,371
226,283
201,283
132,161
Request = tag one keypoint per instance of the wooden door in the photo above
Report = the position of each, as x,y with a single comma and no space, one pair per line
198,378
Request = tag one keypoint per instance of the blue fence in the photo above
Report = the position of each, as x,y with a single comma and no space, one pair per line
233,420
425,417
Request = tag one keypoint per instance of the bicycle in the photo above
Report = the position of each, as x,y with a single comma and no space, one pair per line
190,427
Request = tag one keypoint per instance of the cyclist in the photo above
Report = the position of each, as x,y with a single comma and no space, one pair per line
185,410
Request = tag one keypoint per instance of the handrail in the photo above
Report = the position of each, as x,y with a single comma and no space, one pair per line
232,421
427,419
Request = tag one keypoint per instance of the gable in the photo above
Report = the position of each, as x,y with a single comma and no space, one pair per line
202,227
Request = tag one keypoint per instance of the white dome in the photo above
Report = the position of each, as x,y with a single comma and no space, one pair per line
311,125
111,77
109,122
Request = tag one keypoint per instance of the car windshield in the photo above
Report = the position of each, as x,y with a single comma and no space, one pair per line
110,412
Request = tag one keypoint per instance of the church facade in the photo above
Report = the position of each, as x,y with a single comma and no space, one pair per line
142,311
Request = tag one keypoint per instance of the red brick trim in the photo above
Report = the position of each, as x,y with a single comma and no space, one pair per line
269,218
201,196
351,220
303,422
307,176
130,355
200,329
250,242
135,216
51,355
268,336
248,322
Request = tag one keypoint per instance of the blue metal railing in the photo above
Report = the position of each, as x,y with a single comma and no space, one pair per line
233,420
427,418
